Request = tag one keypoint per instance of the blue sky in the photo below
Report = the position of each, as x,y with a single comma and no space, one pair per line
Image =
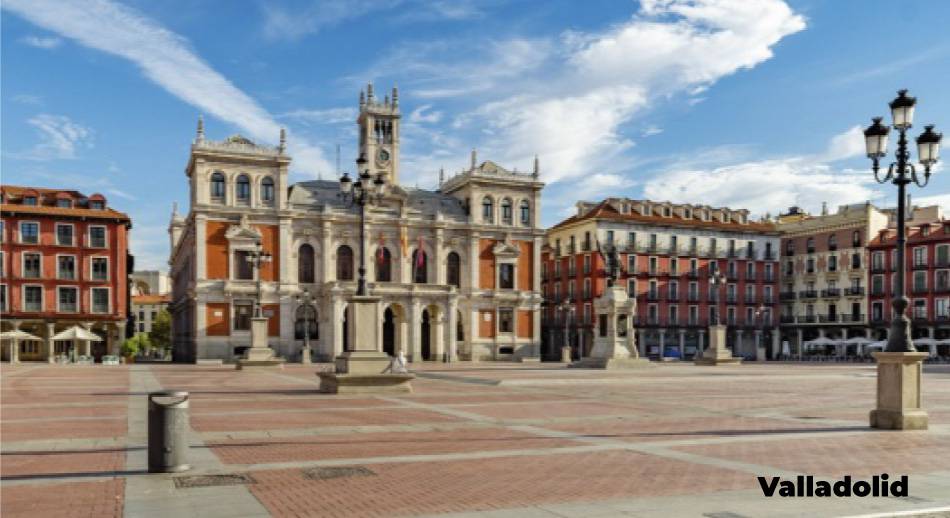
753,104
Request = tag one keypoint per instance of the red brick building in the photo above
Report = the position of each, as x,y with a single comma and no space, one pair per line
927,283
667,253
64,262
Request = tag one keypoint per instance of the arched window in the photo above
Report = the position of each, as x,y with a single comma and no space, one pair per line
344,263
420,267
453,270
217,186
305,264
856,239
305,317
810,245
243,193
488,210
267,190
832,242
525,213
506,209
384,265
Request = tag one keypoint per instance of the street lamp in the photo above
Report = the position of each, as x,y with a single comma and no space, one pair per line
305,301
258,258
759,316
565,308
367,190
901,173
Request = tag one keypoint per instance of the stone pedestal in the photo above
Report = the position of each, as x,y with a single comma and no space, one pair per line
898,392
259,354
717,353
365,368
614,337
565,354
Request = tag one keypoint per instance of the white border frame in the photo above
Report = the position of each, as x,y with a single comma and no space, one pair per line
23,307
77,268
73,236
39,233
92,302
78,299
92,276
105,229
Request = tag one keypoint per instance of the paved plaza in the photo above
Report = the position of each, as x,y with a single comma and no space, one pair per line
473,439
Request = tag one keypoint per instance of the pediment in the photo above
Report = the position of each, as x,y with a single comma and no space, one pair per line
506,249
243,231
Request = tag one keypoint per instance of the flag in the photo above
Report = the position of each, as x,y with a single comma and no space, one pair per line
420,254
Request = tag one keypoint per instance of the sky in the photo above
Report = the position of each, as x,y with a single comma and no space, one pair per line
753,104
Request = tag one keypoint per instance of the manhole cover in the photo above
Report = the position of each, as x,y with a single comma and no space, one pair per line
231,479
337,472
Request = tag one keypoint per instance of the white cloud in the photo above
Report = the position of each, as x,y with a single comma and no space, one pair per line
41,42
419,115
322,116
281,23
28,99
652,130
165,58
59,136
846,145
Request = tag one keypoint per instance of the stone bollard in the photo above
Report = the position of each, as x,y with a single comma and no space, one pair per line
168,432
565,354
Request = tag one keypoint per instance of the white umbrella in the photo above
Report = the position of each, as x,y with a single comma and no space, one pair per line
858,340
15,336
821,340
18,335
925,341
877,345
77,333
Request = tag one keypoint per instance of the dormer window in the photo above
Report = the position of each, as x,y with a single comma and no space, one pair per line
64,203
687,214
667,212
29,200
97,205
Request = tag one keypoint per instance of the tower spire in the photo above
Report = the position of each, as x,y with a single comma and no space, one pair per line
395,96
201,129
441,176
474,158
537,167
283,140
369,93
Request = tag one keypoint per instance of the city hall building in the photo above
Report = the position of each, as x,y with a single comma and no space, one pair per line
457,268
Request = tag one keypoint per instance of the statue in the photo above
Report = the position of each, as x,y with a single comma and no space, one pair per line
613,265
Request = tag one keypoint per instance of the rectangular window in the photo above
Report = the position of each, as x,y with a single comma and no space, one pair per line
674,315
29,232
587,264
505,320
68,300
3,297
97,237
942,280
942,308
920,256
631,288
653,265
64,235
100,268
242,267
66,267
920,281
920,309
506,276
100,300
631,264
631,239
154,315
610,237
693,315
731,315
32,298
943,255
833,263
32,268
242,317
652,315
674,266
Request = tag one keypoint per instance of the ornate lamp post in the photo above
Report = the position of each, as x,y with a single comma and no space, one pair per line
258,258
566,309
899,365
717,353
305,301
367,190
717,281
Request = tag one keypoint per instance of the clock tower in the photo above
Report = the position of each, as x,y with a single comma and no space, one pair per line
379,133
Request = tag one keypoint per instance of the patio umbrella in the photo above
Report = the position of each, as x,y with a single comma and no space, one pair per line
877,345
858,340
15,336
925,341
78,333
821,340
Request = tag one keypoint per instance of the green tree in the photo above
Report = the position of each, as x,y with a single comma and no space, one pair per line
137,343
161,332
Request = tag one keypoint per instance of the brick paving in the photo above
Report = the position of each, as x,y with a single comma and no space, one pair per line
471,437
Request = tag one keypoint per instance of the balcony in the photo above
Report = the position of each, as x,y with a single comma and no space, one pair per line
808,294
787,319
673,297
769,255
692,297
877,291
807,319
653,297
920,265
878,268
852,319
768,300
788,273
942,289
751,277
877,319
733,253
919,318
769,277
731,299
692,274
854,291
572,273
827,319
942,262
749,299
786,295
919,289
831,293
732,276
750,254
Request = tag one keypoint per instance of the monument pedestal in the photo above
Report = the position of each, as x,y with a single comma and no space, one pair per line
614,344
717,353
565,354
366,368
259,355
898,392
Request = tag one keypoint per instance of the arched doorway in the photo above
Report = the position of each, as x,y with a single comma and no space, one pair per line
426,335
389,332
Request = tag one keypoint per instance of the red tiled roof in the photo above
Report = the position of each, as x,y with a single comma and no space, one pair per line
62,211
938,232
605,211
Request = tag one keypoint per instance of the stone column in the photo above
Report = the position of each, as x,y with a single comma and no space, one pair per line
776,342
15,344
50,344
437,332
800,345
451,340
682,344
473,263
117,345
414,349
644,350
87,344
662,342
440,255
737,348
759,349
334,323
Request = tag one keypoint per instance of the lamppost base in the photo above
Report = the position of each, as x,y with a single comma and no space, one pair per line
717,353
566,354
898,392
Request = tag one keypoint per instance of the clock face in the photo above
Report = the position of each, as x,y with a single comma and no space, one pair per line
382,156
